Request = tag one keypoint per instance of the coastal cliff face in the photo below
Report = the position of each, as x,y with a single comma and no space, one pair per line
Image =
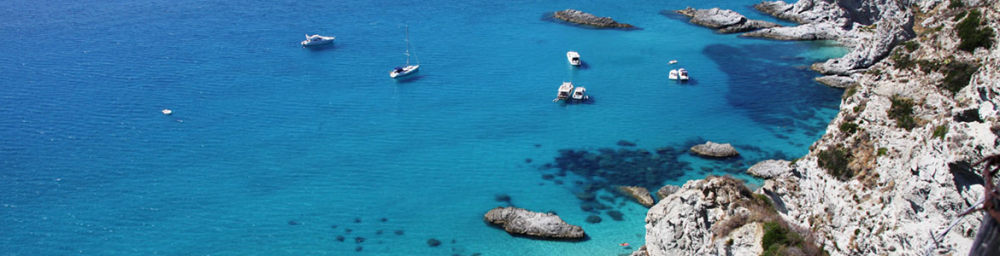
895,164
870,28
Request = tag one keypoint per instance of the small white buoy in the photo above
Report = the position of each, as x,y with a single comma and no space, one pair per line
167,112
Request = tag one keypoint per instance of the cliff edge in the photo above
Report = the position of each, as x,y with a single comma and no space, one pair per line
895,165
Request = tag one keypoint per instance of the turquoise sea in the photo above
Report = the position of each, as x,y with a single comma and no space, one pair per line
273,149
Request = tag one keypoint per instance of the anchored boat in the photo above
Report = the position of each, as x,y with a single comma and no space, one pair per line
564,91
317,40
408,69
573,57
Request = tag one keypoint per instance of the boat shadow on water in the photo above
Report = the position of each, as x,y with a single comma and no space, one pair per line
409,78
321,48
688,82
587,101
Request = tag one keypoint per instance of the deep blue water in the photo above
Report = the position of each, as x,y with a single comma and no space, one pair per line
277,150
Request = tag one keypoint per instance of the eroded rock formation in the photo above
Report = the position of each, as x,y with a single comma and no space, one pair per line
542,225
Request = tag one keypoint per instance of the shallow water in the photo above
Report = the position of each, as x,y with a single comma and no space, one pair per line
271,145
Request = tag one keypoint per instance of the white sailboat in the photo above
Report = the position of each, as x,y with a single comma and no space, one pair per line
408,69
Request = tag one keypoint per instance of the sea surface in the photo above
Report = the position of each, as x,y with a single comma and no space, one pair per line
273,149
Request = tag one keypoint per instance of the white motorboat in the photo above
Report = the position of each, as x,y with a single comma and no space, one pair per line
580,93
408,69
683,74
673,62
673,74
573,57
167,112
564,91
317,40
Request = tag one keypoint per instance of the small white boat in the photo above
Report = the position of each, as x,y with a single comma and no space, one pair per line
573,57
408,69
673,74
564,91
167,112
580,93
317,40
683,74
673,62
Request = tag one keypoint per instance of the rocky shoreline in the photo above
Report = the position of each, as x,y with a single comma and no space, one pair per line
894,167
725,21
584,18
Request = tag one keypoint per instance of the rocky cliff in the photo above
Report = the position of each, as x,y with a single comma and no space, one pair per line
894,166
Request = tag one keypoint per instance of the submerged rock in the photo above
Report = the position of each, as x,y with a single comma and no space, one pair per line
433,242
713,149
771,169
640,194
523,222
580,17
593,219
726,21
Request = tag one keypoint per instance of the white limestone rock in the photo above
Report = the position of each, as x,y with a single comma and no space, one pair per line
771,169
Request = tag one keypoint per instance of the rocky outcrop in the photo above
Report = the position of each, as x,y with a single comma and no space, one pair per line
816,31
837,81
640,194
726,21
583,18
902,184
713,149
684,222
665,191
871,28
771,169
542,225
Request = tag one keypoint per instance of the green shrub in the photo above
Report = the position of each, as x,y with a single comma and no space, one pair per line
902,60
850,92
911,45
902,112
848,127
778,239
883,151
940,131
957,75
955,4
972,35
835,161
764,199
959,16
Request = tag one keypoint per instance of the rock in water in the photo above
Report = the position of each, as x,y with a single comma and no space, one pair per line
726,21
837,81
640,194
433,242
771,169
713,149
580,17
523,222
666,191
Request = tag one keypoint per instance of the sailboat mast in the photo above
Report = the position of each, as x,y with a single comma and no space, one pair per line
407,45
